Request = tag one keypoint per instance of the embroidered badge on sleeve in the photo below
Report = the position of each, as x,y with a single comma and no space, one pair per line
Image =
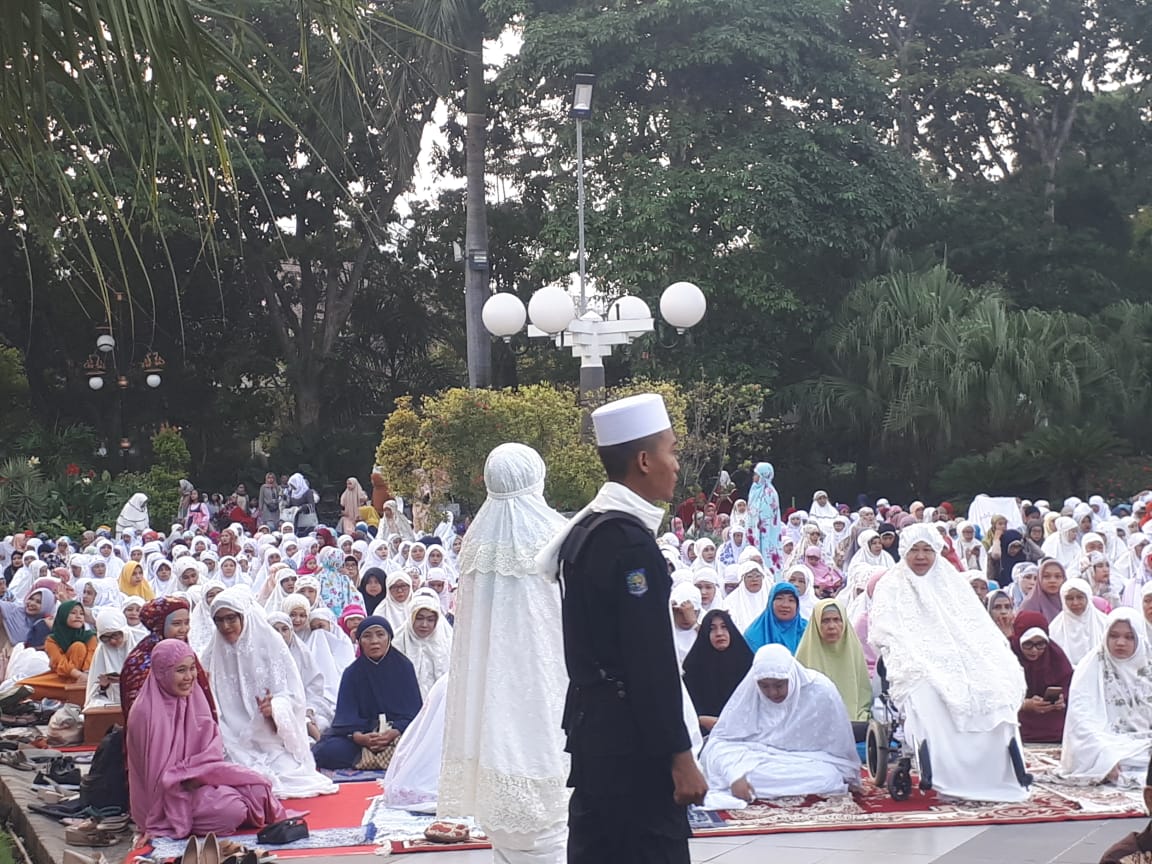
637,582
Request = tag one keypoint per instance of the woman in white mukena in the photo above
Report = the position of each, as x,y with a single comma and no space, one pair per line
951,673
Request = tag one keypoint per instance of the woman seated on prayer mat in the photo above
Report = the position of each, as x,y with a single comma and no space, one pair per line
717,663
261,698
1108,733
70,649
780,623
319,693
381,681
180,784
426,640
750,597
830,646
1079,629
116,642
950,671
165,618
1048,674
783,732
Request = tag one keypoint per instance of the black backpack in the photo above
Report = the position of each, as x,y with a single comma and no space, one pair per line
106,784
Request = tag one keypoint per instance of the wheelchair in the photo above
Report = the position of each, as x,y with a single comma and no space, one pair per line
891,760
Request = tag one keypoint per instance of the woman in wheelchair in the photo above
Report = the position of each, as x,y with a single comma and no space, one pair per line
951,674
784,732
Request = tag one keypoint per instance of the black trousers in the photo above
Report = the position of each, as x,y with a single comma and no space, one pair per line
606,830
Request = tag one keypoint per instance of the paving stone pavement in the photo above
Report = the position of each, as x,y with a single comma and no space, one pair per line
1047,843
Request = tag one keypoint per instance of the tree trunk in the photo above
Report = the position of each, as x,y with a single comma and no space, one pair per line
476,228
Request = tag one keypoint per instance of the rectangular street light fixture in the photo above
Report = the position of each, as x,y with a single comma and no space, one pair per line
582,96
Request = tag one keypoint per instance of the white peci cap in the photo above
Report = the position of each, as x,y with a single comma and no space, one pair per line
630,419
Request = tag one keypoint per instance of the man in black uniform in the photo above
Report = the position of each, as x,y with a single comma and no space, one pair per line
633,773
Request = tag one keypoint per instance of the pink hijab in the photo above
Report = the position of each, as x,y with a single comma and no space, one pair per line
174,738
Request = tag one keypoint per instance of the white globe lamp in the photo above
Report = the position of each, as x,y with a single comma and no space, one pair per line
503,315
551,309
105,343
628,308
96,382
683,305
153,380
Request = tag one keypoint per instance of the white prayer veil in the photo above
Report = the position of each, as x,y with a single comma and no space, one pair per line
504,538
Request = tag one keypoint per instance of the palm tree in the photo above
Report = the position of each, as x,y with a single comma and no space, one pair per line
90,83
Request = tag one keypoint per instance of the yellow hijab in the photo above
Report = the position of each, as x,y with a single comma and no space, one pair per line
141,589
842,662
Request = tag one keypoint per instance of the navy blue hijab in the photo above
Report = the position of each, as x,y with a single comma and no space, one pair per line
369,689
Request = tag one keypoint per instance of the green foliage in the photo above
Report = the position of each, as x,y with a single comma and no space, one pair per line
24,493
1067,453
448,440
169,452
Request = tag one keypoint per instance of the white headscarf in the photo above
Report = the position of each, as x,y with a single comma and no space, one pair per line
743,605
108,660
431,655
707,574
1063,544
1109,720
933,630
808,598
684,639
259,663
1078,635
134,516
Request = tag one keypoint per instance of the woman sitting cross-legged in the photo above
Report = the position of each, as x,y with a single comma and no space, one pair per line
380,681
785,731
1108,731
261,697
179,782
70,648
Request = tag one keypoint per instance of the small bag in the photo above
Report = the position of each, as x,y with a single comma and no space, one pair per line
66,727
283,832
442,831
370,761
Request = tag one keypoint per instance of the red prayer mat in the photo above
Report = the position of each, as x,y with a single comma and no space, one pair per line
324,813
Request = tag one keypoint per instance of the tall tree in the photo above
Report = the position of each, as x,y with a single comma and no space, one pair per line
731,145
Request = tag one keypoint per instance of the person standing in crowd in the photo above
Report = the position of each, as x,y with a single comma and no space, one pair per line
510,779
268,501
765,528
633,771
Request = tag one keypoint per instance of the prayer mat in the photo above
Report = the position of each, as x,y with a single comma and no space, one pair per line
353,775
402,831
1052,800
328,818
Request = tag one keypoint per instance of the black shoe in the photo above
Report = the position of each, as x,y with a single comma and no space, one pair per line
64,772
13,695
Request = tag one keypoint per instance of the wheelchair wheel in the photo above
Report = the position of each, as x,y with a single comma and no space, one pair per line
876,745
925,767
900,782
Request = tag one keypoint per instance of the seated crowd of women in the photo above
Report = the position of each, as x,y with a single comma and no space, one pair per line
320,657
1063,658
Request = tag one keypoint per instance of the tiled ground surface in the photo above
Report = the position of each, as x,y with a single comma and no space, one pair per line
1052,843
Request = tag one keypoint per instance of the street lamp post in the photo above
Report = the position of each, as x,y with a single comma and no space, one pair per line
553,315
119,365
589,336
